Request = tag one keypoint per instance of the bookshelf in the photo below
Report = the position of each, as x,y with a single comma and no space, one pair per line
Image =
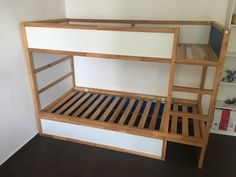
231,11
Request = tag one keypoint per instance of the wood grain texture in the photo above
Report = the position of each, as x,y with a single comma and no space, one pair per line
52,64
131,22
101,55
192,54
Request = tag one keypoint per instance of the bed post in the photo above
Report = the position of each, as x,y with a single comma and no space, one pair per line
73,70
211,111
32,77
165,124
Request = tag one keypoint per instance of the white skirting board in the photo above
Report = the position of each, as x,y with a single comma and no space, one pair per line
125,141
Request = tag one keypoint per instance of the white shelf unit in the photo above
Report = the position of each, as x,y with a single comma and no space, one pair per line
221,132
231,54
220,104
231,11
228,83
227,90
225,93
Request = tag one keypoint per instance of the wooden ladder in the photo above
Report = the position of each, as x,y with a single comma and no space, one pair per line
200,91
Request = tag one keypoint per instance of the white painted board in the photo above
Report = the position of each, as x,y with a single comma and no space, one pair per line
103,137
146,44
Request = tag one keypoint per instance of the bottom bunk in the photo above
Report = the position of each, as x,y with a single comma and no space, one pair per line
137,116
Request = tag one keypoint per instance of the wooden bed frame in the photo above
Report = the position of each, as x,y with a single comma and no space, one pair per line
133,113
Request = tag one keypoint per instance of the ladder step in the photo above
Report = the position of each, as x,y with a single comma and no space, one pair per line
189,115
192,90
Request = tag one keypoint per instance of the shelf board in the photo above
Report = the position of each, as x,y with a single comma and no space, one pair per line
231,54
221,132
233,25
228,83
222,105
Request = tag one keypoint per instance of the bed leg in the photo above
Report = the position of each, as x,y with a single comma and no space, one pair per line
201,157
163,156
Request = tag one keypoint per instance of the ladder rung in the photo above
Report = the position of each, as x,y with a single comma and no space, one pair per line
189,115
192,90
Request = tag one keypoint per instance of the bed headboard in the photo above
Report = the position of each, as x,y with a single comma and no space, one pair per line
216,39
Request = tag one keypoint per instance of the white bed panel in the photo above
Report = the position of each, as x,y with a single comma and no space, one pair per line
103,137
145,44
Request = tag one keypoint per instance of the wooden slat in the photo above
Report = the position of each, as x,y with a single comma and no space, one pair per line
126,112
185,122
202,128
69,103
109,109
201,55
202,84
164,127
103,27
188,52
135,113
85,105
117,111
192,90
73,70
178,51
170,22
204,54
197,62
52,64
165,120
49,106
212,54
100,108
54,83
92,107
59,103
120,93
196,127
183,101
145,115
195,52
182,51
190,115
72,108
102,56
154,118
174,120
60,20
208,54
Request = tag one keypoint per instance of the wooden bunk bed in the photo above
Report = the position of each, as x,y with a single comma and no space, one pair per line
157,117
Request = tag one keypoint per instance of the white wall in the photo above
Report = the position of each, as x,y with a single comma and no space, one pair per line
17,120
148,9
134,74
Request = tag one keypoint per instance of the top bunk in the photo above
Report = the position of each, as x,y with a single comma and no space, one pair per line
135,40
